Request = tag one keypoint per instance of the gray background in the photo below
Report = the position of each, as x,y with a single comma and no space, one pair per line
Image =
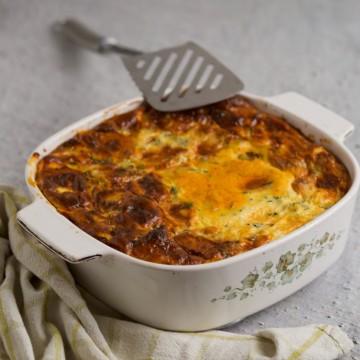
312,47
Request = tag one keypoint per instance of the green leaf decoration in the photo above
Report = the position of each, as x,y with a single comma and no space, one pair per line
325,238
285,261
269,275
302,247
227,289
249,281
289,275
320,253
268,265
305,261
244,296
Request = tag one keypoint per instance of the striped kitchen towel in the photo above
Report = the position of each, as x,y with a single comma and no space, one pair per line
44,315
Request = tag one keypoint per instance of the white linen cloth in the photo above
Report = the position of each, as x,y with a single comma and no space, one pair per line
45,315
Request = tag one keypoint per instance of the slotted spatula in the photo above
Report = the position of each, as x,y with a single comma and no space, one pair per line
173,79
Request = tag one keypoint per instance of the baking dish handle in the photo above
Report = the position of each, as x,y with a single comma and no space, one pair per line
57,233
313,113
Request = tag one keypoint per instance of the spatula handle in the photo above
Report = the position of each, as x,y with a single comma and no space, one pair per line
83,36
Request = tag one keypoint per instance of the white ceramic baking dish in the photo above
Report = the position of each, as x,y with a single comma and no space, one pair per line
206,296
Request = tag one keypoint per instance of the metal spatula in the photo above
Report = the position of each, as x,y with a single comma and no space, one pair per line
173,79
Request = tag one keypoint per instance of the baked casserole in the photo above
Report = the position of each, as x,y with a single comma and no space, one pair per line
191,187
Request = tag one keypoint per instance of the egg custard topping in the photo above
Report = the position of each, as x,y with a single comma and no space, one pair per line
191,187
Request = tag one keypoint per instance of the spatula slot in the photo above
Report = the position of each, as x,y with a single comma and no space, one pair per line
204,78
140,64
164,72
217,81
152,68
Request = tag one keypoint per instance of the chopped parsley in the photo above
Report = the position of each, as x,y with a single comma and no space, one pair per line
173,191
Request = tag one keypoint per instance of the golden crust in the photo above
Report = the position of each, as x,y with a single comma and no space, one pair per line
194,186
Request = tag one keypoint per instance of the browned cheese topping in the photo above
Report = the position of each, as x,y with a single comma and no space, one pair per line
191,187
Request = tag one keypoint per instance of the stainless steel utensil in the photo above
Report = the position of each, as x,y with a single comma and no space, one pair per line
173,79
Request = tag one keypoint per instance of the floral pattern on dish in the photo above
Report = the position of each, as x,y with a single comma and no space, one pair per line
289,267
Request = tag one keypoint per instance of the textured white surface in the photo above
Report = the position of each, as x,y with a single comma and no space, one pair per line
312,47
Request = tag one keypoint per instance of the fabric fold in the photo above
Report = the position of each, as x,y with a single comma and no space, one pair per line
45,315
